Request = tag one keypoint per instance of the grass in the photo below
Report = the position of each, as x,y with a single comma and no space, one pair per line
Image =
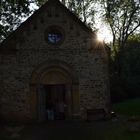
128,108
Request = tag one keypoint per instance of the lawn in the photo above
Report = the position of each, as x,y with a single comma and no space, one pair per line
128,108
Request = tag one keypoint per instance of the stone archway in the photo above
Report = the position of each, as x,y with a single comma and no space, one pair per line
50,80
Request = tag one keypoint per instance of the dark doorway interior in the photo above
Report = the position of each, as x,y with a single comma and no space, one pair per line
55,102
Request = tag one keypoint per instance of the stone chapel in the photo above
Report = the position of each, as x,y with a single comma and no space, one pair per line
53,64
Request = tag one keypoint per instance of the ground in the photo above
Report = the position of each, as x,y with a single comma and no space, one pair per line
121,127
113,129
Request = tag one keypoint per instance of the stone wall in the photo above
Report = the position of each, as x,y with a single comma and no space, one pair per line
79,50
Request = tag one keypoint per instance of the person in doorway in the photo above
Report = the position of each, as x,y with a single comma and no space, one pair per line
50,111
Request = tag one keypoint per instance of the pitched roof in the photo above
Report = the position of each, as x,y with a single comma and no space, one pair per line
7,42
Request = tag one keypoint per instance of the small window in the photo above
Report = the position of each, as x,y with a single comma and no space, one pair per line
53,35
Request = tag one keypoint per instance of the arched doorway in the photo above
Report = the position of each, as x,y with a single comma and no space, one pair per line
56,92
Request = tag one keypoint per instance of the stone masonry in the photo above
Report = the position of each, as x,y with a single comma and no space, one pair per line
26,50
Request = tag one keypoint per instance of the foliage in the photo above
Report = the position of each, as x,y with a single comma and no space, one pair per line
84,9
129,108
11,14
123,18
125,82
130,69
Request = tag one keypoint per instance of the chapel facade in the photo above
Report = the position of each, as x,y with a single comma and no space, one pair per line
53,62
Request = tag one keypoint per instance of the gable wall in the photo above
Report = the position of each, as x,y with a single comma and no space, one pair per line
32,51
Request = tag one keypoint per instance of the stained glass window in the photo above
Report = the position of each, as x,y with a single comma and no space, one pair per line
54,37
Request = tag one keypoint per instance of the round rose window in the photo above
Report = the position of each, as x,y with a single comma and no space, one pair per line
53,35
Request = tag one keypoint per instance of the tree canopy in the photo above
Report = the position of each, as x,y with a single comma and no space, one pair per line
123,17
126,84
12,13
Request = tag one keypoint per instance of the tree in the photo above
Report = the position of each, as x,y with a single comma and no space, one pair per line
130,70
84,9
126,85
123,17
12,13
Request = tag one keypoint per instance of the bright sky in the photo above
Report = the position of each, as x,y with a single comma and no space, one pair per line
104,33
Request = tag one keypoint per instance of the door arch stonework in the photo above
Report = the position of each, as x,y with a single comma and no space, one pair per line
55,72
